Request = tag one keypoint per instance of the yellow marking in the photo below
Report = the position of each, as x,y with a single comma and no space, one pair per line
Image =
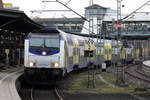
123,54
137,53
65,54
107,51
143,51
76,51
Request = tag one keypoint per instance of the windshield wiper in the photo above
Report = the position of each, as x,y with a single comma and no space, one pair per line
43,45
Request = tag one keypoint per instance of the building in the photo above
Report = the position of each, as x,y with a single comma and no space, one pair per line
65,24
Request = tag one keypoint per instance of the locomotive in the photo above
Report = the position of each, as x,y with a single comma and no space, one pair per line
51,53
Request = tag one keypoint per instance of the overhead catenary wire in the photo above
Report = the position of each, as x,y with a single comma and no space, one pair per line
147,3
65,5
67,2
73,11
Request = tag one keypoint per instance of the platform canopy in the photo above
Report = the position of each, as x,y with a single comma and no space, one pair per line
16,21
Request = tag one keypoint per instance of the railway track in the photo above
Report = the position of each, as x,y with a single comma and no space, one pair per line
134,72
142,73
50,93
137,77
43,92
39,92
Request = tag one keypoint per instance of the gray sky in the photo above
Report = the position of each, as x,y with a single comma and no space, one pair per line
77,5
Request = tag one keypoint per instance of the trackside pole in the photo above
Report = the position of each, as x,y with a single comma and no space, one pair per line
88,53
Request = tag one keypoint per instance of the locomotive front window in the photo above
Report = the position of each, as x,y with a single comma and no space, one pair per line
36,42
51,43
44,42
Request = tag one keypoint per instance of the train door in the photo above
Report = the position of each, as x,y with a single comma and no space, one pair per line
149,47
94,50
75,52
114,52
101,51
146,49
66,54
144,43
107,53
140,46
138,50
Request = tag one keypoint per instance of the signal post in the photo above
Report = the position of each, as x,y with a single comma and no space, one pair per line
89,49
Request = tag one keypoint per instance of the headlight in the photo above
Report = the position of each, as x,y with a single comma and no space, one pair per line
55,65
43,53
31,64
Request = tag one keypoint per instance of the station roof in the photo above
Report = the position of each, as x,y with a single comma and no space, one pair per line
17,21
58,20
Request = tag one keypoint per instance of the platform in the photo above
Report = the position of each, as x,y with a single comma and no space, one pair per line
146,63
7,86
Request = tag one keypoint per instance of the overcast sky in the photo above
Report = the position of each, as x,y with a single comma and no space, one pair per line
77,5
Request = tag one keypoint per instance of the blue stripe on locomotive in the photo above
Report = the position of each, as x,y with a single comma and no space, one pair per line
48,52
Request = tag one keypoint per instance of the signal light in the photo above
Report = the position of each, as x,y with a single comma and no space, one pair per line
118,25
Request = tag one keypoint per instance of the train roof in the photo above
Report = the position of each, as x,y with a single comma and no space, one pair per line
49,30
46,30
91,35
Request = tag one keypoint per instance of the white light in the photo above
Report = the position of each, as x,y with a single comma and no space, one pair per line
56,65
43,53
31,64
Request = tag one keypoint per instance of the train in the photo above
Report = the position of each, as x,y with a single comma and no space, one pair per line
50,54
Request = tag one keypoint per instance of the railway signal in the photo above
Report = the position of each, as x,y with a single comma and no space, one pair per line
119,26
